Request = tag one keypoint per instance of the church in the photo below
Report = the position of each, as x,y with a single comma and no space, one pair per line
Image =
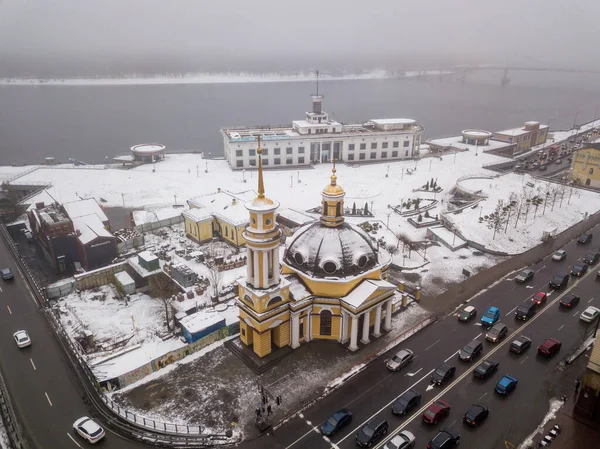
331,283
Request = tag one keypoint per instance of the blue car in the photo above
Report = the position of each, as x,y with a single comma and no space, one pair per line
490,316
506,385
335,422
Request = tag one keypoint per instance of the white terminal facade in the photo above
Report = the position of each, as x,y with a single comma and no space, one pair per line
318,139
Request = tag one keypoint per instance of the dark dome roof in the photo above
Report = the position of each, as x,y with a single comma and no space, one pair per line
331,252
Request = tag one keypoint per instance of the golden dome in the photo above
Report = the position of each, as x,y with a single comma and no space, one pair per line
332,188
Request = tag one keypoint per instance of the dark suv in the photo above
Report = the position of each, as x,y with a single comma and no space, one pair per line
584,238
445,439
526,310
559,281
591,257
371,432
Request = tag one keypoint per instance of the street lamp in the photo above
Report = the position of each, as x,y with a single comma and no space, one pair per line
388,171
244,174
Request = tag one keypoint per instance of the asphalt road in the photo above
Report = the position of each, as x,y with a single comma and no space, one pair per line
511,419
45,392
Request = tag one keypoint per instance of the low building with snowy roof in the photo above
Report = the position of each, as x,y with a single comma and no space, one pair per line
97,246
221,214
200,324
529,135
126,282
474,140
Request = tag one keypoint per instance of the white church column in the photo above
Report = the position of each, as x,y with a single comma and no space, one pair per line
249,261
365,329
276,264
344,328
265,279
377,330
295,330
388,316
354,335
255,278
308,336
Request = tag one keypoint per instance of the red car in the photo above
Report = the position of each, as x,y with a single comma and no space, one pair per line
436,411
550,347
540,298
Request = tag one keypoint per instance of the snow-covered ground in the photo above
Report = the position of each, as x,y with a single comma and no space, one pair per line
555,406
4,443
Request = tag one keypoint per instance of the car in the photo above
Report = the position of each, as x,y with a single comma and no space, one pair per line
496,333
584,239
7,274
476,415
470,351
400,359
22,339
406,402
403,440
520,344
539,298
559,255
467,314
335,422
506,385
87,428
558,161
526,310
490,316
485,369
524,276
543,168
589,314
591,257
437,411
443,372
549,347
568,301
445,439
559,281
579,269
372,432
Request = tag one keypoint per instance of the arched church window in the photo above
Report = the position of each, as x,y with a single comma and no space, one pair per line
274,301
324,208
268,222
329,267
325,327
338,210
362,261
299,258
249,299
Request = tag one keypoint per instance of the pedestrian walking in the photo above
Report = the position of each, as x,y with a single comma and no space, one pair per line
577,385
269,411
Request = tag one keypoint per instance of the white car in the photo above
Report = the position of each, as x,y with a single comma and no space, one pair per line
88,429
400,359
403,440
22,339
559,255
589,314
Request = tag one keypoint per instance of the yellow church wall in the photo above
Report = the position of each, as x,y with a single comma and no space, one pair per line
336,325
262,343
268,216
281,335
245,333
333,289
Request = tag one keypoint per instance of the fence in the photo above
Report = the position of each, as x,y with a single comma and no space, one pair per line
147,227
60,289
135,242
99,277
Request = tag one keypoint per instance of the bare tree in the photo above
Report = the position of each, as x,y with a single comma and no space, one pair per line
497,218
215,276
162,289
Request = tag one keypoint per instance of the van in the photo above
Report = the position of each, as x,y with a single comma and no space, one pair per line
526,310
372,432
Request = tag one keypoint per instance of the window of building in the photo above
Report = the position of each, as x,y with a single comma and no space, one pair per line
301,160
253,162
383,154
406,153
265,151
265,161
363,146
300,150
325,327
226,232
239,153
351,147
338,209
394,154
289,160
350,157
289,150
252,152
373,145
396,144
406,143
591,171
239,163
276,150
243,332
373,155
274,301
277,161
309,131
384,144
361,156
588,182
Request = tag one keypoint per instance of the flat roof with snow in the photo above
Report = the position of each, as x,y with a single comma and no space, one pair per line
393,121
124,278
84,207
148,148
90,228
457,143
197,322
147,256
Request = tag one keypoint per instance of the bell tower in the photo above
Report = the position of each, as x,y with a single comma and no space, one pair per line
332,203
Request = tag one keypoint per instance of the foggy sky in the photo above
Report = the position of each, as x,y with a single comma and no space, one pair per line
394,33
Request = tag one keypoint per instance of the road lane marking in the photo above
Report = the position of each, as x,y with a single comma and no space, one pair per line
47,397
33,364
454,354
300,415
511,311
294,443
576,313
366,391
591,299
523,361
454,329
73,440
0,289
561,327
432,345
529,286
453,422
308,422
482,396
415,373
537,271
8,307
469,370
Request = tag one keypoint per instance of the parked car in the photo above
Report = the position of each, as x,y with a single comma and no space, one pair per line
540,298
22,339
526,310
490,316
470,351
485,369
476,415
7,274
335,422
372,432
467,314
559,281
436,412
506,385
445,439
520,344
406,402
589,314
543,168
585,238
524,276
569,301
403,440
579,269
558,161
549,347
87,428
444,372
559,255
496,333
400,359
591,257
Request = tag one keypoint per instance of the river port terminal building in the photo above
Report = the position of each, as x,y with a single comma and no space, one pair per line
318,139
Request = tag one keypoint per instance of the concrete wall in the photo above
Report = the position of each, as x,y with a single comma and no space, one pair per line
147,227
101,276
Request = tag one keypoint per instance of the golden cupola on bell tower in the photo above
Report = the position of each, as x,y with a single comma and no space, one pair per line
332,203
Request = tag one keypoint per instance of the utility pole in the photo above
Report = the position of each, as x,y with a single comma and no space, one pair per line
430,161
197,172
206,169
175,197
291,181
371,207
388,172
402,173
123,198
388,220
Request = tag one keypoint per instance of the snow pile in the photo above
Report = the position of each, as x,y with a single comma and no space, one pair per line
555,406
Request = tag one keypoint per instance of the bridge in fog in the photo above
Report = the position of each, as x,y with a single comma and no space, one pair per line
528,69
